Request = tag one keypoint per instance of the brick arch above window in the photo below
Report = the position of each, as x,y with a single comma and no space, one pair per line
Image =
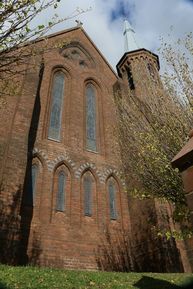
87,166
95,82
77,54
41,155
62,159
115,173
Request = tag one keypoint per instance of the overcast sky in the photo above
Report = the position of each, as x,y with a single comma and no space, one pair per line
150,19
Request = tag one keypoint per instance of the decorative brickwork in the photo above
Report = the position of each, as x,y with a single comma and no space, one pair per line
60,166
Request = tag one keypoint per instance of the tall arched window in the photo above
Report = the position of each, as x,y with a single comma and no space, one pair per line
60,201
56,106
32,184
112,199
88,188
91,143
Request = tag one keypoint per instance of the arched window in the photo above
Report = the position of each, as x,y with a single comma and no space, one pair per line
87,187
112,199
32,184
56,106
60,201
91,143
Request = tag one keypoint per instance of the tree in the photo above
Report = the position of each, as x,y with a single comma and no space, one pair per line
153,129
17,30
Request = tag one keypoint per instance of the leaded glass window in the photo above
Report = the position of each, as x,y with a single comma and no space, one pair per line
60,201
87,184
56,106
112,200
91,118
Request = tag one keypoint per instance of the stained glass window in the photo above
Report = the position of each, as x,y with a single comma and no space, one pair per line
91,118
56,106
60,202
112,200
87,184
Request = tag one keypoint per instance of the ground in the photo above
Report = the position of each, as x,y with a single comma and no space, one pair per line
45,278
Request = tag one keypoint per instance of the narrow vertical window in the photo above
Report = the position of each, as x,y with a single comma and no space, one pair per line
56,106
130,78
151,70
87,185
112,200
91,118
60,201
32,185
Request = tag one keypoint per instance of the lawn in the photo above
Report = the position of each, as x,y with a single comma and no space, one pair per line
44,278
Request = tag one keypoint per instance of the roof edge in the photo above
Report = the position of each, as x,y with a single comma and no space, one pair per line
137,51
69,30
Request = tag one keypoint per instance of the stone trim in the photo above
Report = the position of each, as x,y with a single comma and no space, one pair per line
40,153
112,171
63,157
86,166
78,170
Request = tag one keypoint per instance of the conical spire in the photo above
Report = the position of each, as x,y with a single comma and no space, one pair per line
129,37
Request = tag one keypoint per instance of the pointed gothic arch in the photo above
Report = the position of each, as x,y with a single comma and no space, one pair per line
33,185
112,187
61,187
56,106
91,117
88,182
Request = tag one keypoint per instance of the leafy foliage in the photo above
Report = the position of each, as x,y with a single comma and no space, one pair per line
17,28
153,127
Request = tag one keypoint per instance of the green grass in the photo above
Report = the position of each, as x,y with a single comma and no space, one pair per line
44,278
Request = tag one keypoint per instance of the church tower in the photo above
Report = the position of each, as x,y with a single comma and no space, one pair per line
139,79
138,67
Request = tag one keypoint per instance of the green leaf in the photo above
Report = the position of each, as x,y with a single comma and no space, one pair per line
40,27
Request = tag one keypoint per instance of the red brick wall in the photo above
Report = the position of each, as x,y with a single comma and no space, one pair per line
66,239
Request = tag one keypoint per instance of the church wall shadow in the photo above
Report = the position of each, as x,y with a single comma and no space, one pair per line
118,252
10,229
26,211
147,282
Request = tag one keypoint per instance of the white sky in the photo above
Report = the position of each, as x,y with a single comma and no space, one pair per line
104,23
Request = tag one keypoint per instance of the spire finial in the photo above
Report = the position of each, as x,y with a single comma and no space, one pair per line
129,36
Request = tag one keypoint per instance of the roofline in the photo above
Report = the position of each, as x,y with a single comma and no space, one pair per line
136,51
72,29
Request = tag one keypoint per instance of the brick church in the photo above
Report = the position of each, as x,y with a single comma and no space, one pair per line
63,201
